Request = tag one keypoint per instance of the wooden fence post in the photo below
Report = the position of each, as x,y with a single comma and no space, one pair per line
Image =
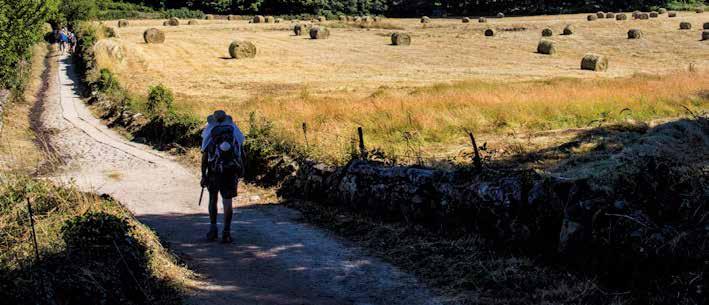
477,161
362,149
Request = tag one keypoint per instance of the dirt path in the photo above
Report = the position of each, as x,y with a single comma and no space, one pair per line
274,259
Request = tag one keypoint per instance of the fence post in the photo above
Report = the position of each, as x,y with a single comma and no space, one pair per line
305,134
362,149
477,161
34,233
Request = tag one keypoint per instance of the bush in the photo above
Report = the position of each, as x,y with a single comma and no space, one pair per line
160,101
183,13
106,81
74,11
21,26
95,235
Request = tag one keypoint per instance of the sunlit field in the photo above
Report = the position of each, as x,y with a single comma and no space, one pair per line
421,99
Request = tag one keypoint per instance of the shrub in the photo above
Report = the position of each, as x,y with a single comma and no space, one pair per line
106,81
74,11
95,235
160,101
19,31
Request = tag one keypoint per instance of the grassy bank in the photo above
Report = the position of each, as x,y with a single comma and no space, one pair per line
90,248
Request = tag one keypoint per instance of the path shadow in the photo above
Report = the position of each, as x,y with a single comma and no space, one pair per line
274,259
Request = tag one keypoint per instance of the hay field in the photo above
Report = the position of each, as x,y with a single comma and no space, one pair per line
451,78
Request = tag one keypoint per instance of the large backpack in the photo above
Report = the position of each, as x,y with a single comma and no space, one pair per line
224,162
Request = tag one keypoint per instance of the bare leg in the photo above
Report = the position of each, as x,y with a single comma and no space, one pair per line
228,213
213,197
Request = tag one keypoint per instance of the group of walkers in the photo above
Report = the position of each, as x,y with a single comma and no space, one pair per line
66,40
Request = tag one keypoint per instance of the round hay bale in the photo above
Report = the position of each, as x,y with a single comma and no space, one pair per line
111,32
482,19
635,34
358,19
400,39
489,32
173,21
621,17
122,23
644,16
594,62
425,19
322,19
258,19
546,46
466,20
699,10
705,35
242,49
654,14
166,23
591,17
319,33
636,14
270,19
500,15
685,25
600,15
192,22
610,15
278,20
342,18
153,35
367,19
547,32
568,30
298,29
662,11
209,17
705,26
672,14
377,18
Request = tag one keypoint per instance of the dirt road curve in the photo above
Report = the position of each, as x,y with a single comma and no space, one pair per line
274,258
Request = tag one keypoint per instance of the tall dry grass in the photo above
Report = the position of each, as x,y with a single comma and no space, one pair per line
436,118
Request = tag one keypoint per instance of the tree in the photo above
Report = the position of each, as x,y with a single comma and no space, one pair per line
22,24
73,11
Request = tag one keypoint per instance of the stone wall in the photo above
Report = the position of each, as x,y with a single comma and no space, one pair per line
651,194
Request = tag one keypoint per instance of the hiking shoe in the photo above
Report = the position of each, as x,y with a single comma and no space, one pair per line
212,235
226,237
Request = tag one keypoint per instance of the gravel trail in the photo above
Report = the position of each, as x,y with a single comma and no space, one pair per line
275,259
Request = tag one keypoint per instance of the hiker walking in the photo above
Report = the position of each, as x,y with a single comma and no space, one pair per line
63,41
72,42
222,166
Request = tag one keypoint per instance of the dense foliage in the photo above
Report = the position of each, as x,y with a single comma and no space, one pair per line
409,7
21,26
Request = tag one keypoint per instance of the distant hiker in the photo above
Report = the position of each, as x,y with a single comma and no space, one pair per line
222,166
72,42
63,41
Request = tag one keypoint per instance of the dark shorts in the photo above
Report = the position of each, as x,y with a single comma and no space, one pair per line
225,185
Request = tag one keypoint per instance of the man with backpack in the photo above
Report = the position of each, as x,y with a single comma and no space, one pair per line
222,166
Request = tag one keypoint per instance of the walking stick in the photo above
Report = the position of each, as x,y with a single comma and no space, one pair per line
200,197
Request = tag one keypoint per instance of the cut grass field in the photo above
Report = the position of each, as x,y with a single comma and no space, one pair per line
422,98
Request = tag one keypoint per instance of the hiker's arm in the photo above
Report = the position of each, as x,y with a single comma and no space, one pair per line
204,164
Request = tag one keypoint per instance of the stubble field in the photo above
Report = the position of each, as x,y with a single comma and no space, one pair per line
425,96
